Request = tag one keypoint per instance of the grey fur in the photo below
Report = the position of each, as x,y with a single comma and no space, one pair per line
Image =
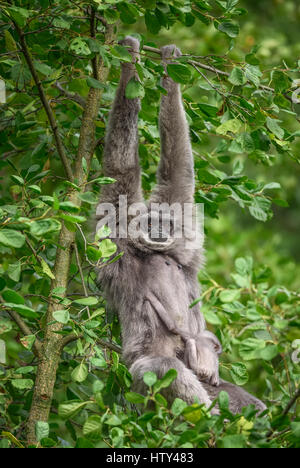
152,286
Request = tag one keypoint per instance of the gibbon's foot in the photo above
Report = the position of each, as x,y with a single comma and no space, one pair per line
169,52
238,397
133,46
203,360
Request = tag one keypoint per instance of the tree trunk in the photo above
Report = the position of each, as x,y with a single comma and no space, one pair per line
52,345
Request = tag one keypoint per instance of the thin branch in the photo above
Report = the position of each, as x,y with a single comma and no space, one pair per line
70,338
44,100
81,274
72,96
291,402
93,36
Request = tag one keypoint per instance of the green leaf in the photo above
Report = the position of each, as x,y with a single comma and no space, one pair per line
104,180
152,23
22,384
134,89
135,398
233,126
14,271
237,77
166,381
12,296
68,206
280,81
239,373
229,28
12,238
111,16
59,22
113,421
92,83
80,373
250,348
17,179
87,301
92,427
5,325
2,351
27,341
233,441
150,378
93,254
107,247
73,218
70,408
61,316
178,406
230,295
44,226
41,430
19,15
24,370
22,310
46,269
273,126
80,47
223,400
258,213
253,74
269,353
89,197
179,72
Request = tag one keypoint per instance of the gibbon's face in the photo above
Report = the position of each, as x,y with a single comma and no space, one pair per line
154,230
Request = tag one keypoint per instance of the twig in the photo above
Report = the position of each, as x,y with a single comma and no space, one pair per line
70,338
52,121
93,36
291,402
81,274
72,96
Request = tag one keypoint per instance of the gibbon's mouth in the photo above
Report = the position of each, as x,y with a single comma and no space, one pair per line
158,243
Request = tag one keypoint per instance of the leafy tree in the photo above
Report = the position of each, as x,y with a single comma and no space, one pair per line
61,378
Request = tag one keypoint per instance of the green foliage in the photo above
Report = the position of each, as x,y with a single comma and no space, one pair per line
244,130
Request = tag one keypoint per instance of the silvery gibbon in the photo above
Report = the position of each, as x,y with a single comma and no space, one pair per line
154,283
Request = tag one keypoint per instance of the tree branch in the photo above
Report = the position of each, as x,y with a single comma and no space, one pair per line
291,402
81,274
71,338
44,100
211,69
72,96
93,36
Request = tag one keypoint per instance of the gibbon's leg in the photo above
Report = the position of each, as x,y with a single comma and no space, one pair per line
238,397
186,385
176,168
121,160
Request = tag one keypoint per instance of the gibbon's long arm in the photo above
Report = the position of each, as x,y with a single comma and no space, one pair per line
176,168
121,160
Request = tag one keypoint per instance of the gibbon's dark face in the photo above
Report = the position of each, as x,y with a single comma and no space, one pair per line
160,229
153,230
